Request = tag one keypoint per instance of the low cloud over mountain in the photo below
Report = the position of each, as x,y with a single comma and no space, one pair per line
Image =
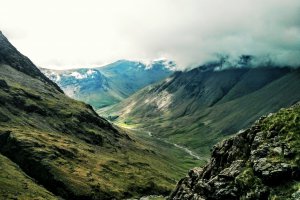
190,32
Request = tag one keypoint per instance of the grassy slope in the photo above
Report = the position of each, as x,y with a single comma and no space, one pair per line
15,184
200,121
61,142
65,146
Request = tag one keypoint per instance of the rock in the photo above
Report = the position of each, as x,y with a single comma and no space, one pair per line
261,165
202,187
296,195
195,172
271,134
3,84
233,170
288,153
250,165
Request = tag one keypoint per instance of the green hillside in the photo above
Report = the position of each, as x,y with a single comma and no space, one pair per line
56,146
199,107
16,184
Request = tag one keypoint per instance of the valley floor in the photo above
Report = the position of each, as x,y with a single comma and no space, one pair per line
150,136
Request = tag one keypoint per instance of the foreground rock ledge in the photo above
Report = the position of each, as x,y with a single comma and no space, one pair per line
261,162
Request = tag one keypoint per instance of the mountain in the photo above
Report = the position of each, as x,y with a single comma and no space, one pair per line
108,85
197,108
54,147
261,162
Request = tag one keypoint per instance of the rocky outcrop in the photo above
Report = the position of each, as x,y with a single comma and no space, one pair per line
261,162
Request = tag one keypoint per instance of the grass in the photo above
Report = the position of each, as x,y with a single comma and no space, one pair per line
73,153
132,171
15,184
190,122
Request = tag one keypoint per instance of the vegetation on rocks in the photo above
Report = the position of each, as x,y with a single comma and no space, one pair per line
261,162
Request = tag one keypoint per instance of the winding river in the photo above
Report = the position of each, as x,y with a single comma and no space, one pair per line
188,151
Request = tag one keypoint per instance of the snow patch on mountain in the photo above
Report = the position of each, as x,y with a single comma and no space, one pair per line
78,75
167,64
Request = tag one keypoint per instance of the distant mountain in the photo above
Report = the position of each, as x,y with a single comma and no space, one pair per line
261,162
54,147
108,85
197,108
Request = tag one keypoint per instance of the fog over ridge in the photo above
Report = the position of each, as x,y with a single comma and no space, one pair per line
67,34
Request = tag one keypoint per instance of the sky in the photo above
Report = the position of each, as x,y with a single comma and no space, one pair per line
62,34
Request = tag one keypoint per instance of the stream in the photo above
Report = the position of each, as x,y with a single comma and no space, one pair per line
188,151
182,148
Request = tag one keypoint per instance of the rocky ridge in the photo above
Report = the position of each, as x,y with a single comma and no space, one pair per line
261,162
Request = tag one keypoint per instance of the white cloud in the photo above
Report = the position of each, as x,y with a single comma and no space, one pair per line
77,33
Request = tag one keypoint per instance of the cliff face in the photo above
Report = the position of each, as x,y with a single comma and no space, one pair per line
262,162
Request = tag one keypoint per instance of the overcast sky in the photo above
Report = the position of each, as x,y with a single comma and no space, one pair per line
71,33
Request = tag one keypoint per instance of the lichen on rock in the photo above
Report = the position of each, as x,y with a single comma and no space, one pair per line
261,162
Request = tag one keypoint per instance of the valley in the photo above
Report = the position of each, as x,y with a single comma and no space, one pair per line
140,141
143,134
185,114
198,108
57,147
107,85
150,100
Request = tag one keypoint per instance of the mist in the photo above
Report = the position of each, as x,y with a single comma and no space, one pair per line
69,34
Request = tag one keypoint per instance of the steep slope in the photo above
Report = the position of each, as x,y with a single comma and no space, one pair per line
14,184
262,162
197,108
108,85
10,55
65,146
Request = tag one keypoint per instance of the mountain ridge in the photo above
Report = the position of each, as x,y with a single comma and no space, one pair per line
185,106
113,83
63,149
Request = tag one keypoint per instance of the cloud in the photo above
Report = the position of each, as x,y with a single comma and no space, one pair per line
190,32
